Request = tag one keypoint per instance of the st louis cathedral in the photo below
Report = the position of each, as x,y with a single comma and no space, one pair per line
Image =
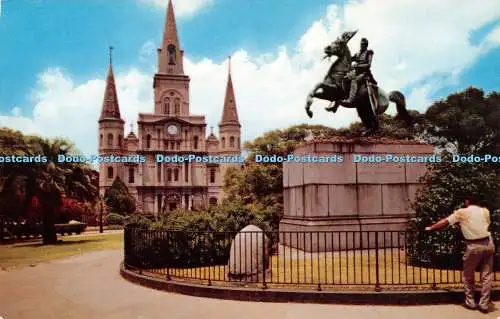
170,129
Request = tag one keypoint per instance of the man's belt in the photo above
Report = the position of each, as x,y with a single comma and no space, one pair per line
471,241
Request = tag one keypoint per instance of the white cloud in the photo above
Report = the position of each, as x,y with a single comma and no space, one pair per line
420,44
181,7
71,111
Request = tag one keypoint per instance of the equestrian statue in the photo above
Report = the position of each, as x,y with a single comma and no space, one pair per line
350,83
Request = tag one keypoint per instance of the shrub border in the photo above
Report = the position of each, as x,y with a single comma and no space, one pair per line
426,297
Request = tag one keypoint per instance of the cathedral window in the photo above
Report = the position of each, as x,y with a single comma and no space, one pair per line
212,175
131,176
176,174
110,139
110,172
120,140
212,201
231,141
177,106
195,142
169,174
166,106
171,54
223,142
148,141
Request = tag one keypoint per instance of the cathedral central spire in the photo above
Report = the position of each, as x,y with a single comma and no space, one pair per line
170,54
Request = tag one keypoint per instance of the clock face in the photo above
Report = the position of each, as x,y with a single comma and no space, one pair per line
172,129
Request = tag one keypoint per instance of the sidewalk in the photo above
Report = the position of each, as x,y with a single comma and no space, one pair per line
90,286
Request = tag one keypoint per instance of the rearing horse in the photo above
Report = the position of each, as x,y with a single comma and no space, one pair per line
335,87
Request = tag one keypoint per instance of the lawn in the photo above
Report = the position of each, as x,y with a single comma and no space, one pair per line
332,270
32,253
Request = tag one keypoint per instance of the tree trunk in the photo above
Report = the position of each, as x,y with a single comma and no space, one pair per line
48,208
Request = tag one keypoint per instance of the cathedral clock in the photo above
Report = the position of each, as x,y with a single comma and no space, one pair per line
172,129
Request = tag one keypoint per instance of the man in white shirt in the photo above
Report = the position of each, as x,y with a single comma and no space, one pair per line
474,222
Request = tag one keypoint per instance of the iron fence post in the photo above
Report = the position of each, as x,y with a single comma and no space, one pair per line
264,266
377,275
168,256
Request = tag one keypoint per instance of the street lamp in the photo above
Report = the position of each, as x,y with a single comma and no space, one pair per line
101,208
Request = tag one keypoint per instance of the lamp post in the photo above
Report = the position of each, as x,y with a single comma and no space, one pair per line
101,208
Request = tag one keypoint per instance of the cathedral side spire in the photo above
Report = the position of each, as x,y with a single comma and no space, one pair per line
230,112
110,106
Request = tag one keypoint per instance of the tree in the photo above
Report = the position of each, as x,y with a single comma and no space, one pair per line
464,122
47,181
118,198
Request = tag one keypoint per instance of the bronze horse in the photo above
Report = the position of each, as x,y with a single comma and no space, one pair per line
335,87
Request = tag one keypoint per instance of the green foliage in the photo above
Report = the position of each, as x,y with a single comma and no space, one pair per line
47,181
467,121
115,219
137,220
118,198
448,185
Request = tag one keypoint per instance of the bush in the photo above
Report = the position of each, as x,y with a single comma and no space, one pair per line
448,185
139,221
114,219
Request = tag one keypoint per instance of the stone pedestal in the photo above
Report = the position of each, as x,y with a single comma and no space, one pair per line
350,195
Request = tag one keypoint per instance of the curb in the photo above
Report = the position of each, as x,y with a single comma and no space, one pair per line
453,296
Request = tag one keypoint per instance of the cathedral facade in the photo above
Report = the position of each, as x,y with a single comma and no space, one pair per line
170,130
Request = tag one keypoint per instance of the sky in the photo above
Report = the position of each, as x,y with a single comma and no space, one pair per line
54,57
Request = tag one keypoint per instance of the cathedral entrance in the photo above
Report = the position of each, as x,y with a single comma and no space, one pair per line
172,202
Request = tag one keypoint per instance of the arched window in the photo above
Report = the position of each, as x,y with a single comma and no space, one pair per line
177,106
101,138
176,174
158,133
186,171
239,145
212,175
166,106
223,142
231,141
178,146
110,172
195,145
131,176
212,201
148,141
110,139
171,54
169,174
158,172
120,140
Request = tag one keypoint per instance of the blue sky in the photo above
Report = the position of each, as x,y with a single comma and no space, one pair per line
50,49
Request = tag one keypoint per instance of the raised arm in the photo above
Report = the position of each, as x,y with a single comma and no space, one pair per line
439,225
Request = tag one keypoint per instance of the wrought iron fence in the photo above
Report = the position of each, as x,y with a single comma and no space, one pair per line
318,259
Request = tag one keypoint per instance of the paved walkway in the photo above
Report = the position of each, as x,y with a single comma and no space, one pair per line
90,286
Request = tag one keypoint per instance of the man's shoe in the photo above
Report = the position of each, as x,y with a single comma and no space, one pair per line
483,310
470,307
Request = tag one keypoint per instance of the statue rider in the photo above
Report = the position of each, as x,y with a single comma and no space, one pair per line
361,64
